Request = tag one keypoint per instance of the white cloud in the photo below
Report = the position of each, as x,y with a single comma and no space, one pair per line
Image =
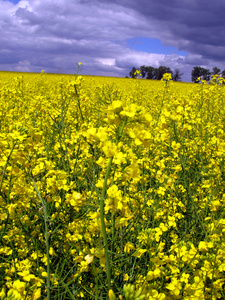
106,61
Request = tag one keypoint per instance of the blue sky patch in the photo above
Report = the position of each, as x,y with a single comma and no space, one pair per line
13,1
152,46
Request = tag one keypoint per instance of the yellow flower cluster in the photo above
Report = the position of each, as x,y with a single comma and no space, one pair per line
111,187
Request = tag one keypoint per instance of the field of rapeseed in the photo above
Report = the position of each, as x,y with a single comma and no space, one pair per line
111,188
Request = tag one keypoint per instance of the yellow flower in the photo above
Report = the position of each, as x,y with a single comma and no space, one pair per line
2,293
153,274
116,107
119,158
109,149
26,275
51,251
129,111
128,246
126,277
167,77
174,287
19,286
89,258
44,274
37,294
112,296
139,253
76,200
202,246
184,277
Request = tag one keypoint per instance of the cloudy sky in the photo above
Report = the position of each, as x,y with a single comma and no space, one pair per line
109,37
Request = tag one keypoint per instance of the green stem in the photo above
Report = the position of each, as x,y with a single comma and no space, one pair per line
5,166
113,245
102,213
104,233
78,102
46,238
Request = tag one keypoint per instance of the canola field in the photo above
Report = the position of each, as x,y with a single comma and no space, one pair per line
111,188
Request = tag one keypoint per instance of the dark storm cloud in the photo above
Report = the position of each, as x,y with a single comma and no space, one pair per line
52,35
198,21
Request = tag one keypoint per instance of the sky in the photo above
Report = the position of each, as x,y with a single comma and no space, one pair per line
110,37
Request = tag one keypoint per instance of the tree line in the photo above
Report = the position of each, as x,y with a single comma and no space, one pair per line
150,72
205,74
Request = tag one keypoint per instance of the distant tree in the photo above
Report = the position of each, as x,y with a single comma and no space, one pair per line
132,72
162,70
206,74
223,73
177,75
143,70
150,72
196,73
200,72
216,71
